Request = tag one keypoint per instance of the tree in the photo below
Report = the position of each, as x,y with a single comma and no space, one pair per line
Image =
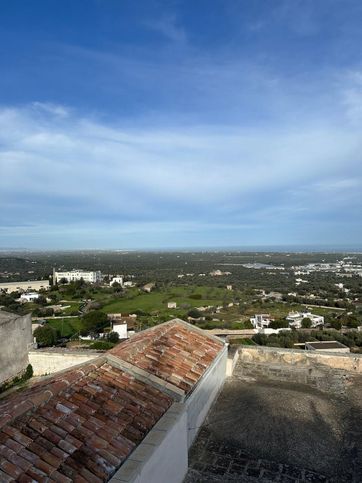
194,313
41,300
94,320
113,337
306,323
278,324
335,324
45,336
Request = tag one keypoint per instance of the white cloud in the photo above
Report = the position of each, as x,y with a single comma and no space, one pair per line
70,169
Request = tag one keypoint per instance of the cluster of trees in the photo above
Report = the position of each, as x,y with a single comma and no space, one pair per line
92,323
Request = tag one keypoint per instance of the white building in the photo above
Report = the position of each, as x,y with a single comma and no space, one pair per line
28,297
121,329
295,319
74,275
118,280
260,321
123,325
129,284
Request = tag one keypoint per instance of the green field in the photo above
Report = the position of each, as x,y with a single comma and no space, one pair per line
157,300
66,327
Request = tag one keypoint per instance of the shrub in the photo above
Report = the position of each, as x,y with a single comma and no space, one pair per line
45,335
113,337
306,323
278,324
101,345
94,320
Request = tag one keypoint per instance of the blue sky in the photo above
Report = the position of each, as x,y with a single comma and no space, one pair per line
155,124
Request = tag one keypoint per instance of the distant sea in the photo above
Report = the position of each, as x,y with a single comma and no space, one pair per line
347,248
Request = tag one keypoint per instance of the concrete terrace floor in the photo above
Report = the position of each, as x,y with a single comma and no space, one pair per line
262,430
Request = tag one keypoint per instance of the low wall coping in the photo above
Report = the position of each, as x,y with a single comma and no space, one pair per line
262,348
132,467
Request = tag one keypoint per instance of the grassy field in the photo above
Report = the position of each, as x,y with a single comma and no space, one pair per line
66,327
157,300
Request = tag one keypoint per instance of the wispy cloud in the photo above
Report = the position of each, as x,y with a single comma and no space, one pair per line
169,27
78,170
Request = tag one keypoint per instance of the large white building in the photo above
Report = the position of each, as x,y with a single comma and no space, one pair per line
73,275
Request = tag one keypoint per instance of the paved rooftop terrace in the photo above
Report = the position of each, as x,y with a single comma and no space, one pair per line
261,430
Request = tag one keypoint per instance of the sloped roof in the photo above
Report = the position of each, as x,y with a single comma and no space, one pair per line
175,351
79,426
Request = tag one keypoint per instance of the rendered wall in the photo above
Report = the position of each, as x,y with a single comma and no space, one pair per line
200,400
325,371
50,362
15,341
162,455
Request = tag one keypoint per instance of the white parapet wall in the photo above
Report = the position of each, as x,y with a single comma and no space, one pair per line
162,455
44,362
204,394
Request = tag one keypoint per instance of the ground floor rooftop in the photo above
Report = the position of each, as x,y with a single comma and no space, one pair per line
266,431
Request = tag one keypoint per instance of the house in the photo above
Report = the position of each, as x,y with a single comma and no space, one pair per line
118,280
295,319
219,273
28,297
124,325
327,346
129,284
149,287
260,321
171,305
128,415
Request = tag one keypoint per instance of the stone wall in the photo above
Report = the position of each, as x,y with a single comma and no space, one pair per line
15,341
324,371
48,362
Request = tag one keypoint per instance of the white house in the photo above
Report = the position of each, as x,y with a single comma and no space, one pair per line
129,283
260,321
29,297
118,280
295,319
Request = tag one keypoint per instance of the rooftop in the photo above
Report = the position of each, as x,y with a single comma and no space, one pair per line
175,352
82,424
85,422
333,344
265,431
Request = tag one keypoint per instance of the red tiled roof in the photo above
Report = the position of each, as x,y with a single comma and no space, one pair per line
175,352
77,426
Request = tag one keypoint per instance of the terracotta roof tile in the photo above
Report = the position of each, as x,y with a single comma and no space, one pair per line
174,352
81,428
